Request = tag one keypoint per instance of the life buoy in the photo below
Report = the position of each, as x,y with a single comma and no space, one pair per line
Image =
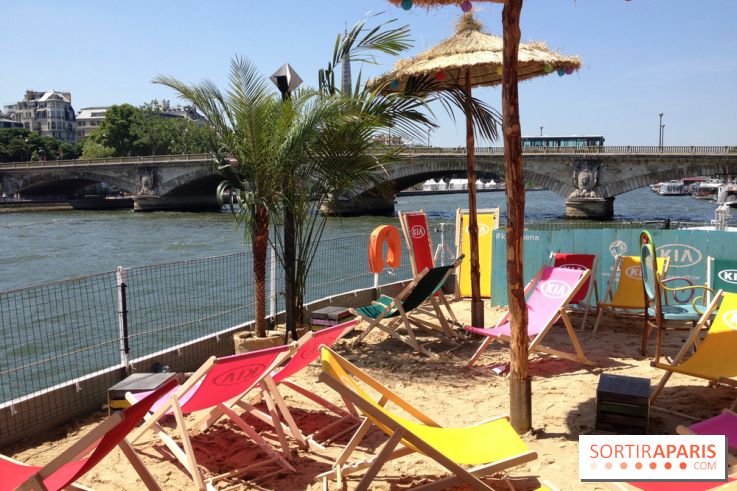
384,234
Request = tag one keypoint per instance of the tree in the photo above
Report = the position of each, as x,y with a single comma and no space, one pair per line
21,145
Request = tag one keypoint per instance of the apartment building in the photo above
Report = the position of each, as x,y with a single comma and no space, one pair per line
48,113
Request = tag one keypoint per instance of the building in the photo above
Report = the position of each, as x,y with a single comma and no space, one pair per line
48,113
9,123
89,119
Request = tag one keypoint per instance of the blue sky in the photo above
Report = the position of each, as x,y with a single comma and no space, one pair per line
641,57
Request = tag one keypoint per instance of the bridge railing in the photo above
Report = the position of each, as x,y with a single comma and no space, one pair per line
149,159
618,150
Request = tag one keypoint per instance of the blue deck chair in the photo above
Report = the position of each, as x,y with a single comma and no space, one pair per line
397,311
658,311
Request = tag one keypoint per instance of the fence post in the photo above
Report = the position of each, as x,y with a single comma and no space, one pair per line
272,286
123,319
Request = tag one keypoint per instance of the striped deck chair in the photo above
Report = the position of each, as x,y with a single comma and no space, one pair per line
492,446
307,351
85,453
628,299
714,358
214,389
416,232
722,424
549,294
388,314
582,300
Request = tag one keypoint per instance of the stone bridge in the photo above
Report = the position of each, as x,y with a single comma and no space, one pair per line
587,178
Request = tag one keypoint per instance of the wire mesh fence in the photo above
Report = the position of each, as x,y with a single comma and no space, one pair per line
55,333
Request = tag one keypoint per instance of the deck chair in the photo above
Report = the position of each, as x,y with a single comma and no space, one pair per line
549,294
714,358
214,389
492,446
722,424
628,299
729,485
658,310
86,453
582,300
307,351
416,232
398,311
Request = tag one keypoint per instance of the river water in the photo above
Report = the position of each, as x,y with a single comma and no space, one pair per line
42,247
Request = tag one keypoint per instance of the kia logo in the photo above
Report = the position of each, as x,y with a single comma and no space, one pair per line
555,289
681,255
728,275
239,375
483,229
730,318
634,272
418,231
577,267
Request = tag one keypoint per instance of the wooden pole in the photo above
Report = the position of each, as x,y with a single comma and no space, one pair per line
520,396
477,306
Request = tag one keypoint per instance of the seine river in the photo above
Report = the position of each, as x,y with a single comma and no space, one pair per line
42,247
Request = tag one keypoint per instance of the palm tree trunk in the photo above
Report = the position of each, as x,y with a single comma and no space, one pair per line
520,396
477,305
259,246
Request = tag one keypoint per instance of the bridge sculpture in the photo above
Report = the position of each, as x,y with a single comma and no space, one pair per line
588,179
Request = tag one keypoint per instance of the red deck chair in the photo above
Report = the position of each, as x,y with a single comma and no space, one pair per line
582,300
307,351
215,388
65,469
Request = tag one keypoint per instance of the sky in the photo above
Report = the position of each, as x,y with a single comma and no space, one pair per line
640,57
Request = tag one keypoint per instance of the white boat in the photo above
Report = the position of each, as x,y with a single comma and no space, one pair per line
672,188
707,189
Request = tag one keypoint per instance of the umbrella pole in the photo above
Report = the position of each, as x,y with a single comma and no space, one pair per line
520,393
477,306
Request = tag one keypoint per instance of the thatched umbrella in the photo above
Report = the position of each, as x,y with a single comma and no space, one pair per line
473,58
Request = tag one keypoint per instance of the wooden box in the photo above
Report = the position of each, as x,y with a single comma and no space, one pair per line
622,404
137,382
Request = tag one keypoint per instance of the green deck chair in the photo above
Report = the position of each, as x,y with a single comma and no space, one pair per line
397,311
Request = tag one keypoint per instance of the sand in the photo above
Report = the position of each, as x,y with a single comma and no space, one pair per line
564,405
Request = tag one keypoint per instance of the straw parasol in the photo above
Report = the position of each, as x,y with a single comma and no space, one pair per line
468,59
464,4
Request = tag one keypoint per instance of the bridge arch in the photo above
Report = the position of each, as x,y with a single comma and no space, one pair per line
67,182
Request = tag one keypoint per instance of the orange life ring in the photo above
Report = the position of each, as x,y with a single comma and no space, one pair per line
380,235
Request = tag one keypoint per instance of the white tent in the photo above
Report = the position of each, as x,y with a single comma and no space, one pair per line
430,185
458,184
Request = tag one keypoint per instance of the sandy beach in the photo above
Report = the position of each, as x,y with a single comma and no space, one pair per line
564,406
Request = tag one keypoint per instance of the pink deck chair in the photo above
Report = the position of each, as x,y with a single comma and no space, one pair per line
729,484
65,469
548,295
306,352
215,388
581,302
723,424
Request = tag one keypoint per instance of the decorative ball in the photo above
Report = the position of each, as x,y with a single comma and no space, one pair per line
561,72
394,84
569,70
440,76
499,70
466,6
547,68
406,4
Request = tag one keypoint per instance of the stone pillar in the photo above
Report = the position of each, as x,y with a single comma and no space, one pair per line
590,208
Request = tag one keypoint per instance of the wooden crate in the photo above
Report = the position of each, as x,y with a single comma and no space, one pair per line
622,404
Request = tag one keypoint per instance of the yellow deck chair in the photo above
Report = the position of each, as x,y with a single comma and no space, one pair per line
629,297
491,446
714,358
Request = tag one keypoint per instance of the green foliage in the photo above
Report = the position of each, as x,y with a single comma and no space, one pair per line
132,131
22,145
93,150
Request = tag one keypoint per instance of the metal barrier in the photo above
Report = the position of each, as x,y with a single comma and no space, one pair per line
63,344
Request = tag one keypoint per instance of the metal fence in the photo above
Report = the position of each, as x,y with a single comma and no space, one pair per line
60,332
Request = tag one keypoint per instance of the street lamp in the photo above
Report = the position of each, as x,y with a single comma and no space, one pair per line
660,130
541,130
286,80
